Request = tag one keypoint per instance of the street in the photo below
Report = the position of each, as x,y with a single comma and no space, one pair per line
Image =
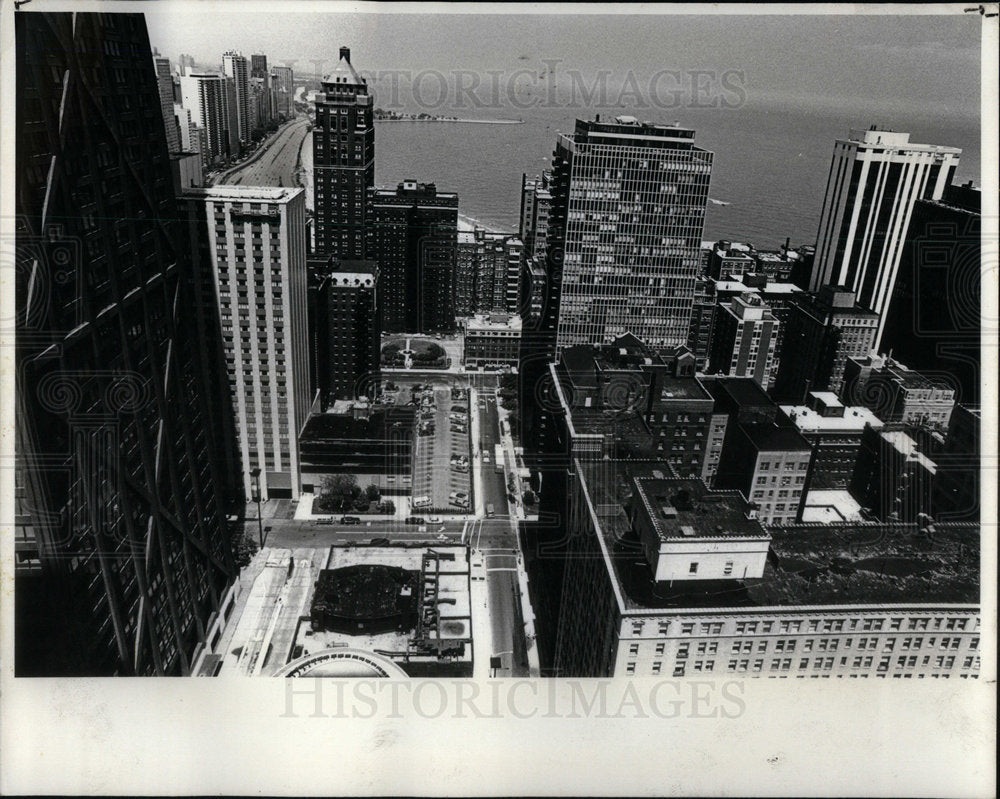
276,165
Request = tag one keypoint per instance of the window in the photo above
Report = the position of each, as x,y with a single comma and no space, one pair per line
693,568
728,569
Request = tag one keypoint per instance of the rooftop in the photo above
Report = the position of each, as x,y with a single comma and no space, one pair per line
687,509
852,564
673,388
907,447
493,321
381,423
772,437
808,420
228,191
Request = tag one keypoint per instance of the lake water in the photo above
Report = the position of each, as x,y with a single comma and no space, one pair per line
770,163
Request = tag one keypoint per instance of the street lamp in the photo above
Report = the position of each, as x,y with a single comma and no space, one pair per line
255,474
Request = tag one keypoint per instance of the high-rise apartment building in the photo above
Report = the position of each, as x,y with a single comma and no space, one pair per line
347,329
123,552
876,177
744,339
626,219
413,236
470,248
258,65
283,83
165,84
822,331
258,252
534,225
236,68
343,161
204,96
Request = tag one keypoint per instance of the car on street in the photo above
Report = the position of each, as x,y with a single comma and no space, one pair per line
434,519
414,519
350,520
490,510
380,542
442,538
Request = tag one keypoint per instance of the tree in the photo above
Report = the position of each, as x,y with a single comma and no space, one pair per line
529,497
508,382
338,491
372,493
244,548
388,507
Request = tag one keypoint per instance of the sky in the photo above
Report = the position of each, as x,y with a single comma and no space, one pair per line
918,63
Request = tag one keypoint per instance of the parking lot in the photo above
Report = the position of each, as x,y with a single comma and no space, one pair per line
438,468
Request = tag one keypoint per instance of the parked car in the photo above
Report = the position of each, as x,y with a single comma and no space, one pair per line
434,519
490,510
414,519
350,520
421,502
380,542
324,521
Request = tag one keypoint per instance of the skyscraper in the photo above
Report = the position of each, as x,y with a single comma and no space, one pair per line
203,94
165,84
234,65
347,329
933,320
413,236
343,161
875,178
258,254
627,213
121,517
283,83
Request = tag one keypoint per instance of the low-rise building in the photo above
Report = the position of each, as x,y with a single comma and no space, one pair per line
897,394
827,601
374,443
492,341
893,480
835,431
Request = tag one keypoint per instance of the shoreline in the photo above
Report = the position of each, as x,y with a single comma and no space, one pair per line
466,121
466,224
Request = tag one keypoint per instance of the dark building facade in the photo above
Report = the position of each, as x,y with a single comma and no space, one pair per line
933,317
121,513
893,479
413,237
957,481
345,329
343,161
822,331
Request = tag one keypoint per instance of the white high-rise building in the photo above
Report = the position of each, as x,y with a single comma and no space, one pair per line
235,65
203,94
257,246
875,178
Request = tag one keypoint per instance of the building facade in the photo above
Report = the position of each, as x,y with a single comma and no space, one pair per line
349,323
822,332
627,213
875,178
744,340
835,431
258,253
933,318
413,235
165,84
236,68
492,341
283,82
119,449
204,96
898,394
620,617
343,161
